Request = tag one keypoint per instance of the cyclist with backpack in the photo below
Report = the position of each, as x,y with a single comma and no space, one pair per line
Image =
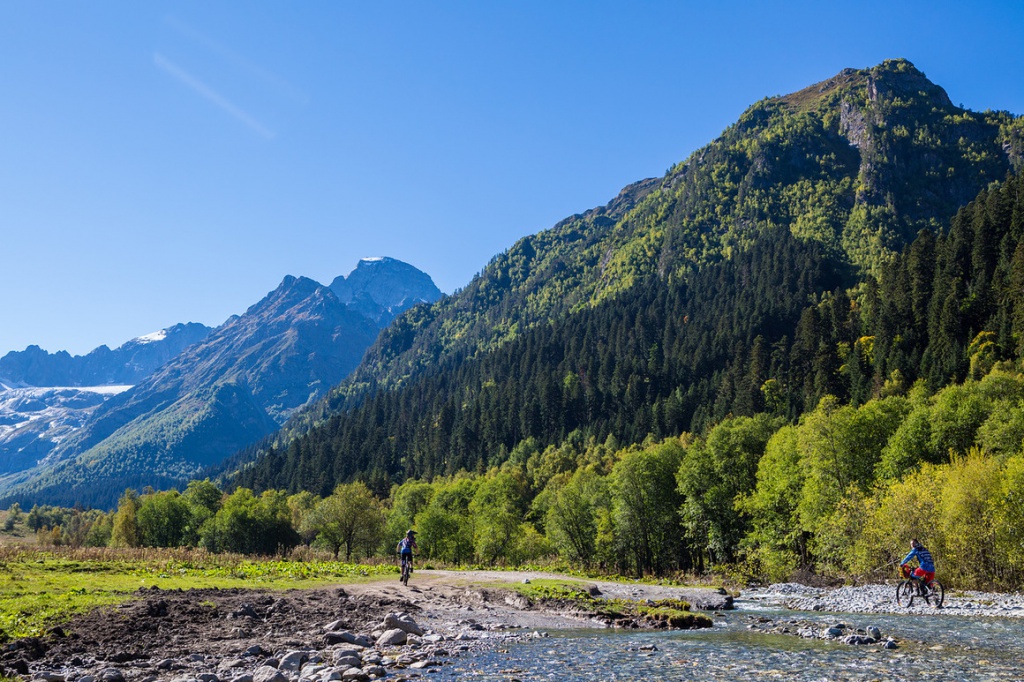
925,571
405,547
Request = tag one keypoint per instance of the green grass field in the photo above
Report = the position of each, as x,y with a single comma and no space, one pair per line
40,588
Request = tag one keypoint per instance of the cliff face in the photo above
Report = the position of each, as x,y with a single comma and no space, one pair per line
383,288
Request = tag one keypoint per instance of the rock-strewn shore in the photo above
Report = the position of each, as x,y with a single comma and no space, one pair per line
242,636
882,599
358,632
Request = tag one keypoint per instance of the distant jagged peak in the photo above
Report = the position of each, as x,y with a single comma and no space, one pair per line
291,291
380,287
126,364
195,330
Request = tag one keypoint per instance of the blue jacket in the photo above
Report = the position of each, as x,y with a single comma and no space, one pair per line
924,559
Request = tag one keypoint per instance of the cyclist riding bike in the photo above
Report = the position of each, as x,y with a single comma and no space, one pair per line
925,571
405,547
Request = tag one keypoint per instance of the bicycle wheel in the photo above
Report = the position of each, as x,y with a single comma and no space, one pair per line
905,593
405,572
936,594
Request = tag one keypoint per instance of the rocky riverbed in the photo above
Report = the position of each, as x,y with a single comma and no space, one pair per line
882,599
355,632
453,625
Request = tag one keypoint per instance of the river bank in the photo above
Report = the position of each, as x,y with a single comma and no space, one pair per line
879,598
453,624
352,632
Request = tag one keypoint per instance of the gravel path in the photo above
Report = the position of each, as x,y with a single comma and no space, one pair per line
700,598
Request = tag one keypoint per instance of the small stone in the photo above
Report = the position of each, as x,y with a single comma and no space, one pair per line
874,633
246,677
346,662
110,675
207,677
354,674
346,637
48,676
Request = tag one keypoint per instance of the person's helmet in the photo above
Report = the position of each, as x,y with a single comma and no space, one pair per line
410,532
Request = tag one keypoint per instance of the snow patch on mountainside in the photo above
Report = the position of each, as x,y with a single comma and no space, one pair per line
152,337
34,420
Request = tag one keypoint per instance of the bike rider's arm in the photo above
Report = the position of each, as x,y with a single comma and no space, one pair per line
912,555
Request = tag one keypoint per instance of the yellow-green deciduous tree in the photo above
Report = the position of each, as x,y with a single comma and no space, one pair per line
351,517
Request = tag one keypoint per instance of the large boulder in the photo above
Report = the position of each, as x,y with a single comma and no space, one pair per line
402,621
393,637
266,673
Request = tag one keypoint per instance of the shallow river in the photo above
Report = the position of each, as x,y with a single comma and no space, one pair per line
931,648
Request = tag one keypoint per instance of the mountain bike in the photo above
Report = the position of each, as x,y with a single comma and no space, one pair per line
406,569
909,588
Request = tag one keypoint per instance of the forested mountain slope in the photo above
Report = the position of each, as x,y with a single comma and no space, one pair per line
858,163
720,288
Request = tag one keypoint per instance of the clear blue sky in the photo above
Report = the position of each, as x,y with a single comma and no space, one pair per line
171,162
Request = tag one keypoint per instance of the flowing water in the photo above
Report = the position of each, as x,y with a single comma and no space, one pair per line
930,648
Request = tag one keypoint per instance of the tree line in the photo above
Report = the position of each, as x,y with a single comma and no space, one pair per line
838,493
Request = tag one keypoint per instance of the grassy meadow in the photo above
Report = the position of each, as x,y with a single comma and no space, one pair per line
41,587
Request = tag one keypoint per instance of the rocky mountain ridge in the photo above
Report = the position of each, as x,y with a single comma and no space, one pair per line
236,385
127,364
